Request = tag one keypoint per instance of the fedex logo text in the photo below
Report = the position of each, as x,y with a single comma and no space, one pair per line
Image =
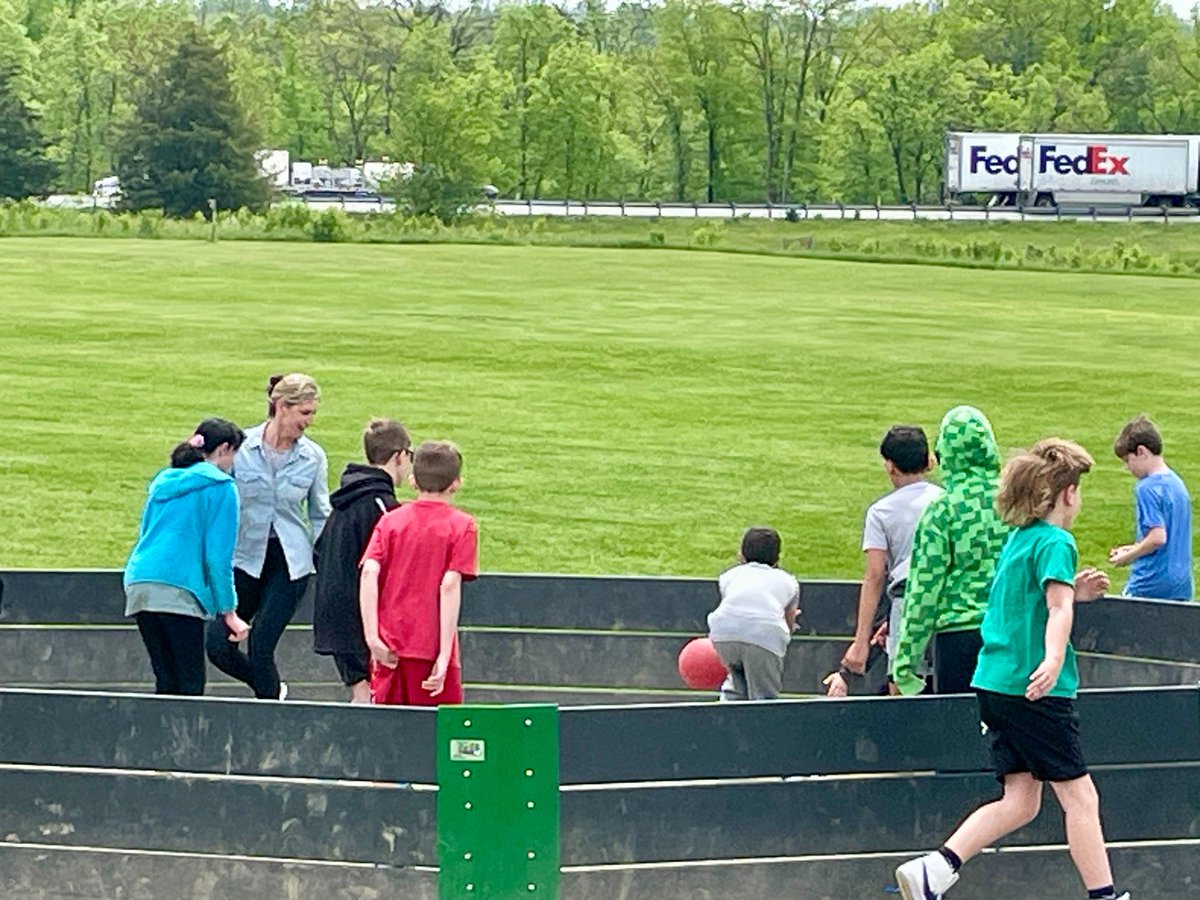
992,163
1095,161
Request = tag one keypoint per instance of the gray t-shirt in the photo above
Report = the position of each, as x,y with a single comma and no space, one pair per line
276,459
891,526
154,596
754,597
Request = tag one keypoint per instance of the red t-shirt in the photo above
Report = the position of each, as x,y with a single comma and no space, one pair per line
415,545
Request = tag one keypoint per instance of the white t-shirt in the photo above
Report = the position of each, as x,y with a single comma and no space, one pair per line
891,526
753,599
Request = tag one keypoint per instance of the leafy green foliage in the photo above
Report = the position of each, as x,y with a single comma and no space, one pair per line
693,100
24,168
190,142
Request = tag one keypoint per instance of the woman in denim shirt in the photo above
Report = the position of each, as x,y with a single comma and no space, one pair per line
282,482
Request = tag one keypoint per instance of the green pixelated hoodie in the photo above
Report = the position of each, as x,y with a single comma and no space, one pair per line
956,546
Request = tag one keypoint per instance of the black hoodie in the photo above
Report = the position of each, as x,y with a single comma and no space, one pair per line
365,494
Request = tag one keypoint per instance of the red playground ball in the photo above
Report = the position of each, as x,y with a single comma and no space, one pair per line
699,665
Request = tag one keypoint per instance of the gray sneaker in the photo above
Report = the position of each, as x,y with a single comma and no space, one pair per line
927,878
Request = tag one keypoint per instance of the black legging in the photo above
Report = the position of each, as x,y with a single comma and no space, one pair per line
176,647
268,602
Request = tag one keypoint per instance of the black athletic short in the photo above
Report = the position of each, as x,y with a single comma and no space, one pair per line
1036,736
352,667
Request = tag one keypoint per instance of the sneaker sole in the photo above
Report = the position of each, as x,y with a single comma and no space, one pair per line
905,890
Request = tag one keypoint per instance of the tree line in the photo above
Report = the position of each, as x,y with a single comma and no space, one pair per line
674,100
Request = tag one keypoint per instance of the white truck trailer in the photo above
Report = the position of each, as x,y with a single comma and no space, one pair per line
1009,168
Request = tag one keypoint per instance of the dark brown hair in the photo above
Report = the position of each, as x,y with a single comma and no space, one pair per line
907,448
761,545
1031,481
210,434
1138,432
436,465
383,438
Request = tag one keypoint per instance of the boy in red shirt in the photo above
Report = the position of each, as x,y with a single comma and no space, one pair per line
410,590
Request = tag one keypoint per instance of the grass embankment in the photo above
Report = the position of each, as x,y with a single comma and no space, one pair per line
1045,245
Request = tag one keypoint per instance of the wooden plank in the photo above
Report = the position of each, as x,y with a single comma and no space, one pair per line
42,872
812,737
1164,872
846,815
221,736
219,815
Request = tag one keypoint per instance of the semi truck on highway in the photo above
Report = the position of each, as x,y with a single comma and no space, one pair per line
1010,169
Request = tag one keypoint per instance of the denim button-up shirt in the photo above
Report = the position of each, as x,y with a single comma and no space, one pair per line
295,500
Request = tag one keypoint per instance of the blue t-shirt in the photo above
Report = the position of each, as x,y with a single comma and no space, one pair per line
1162,501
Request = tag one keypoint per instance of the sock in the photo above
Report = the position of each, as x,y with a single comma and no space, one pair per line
955,863
1104,893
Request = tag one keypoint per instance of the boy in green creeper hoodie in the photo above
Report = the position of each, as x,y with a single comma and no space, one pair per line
959,538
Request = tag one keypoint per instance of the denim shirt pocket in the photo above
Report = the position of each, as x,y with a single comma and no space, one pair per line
257,497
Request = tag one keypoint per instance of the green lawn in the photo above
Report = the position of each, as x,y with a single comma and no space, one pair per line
620,411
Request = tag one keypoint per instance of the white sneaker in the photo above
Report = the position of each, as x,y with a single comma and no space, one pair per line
927,878
283,690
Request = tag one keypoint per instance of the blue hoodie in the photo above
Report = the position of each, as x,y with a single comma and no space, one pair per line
189,529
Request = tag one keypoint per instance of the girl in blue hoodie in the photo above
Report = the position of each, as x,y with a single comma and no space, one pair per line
180,573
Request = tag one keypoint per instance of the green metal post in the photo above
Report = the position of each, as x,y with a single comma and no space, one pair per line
498,802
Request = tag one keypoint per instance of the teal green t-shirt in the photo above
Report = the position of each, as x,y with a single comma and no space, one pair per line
1014,626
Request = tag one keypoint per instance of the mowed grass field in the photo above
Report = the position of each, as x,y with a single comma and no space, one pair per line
620,411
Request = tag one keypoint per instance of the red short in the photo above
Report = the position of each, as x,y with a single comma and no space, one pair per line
401,686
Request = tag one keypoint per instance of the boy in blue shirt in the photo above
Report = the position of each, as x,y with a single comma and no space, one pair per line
1162,555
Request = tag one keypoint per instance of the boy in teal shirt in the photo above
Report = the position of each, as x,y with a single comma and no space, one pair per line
1026,677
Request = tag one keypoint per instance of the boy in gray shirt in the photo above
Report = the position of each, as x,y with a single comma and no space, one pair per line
891,524
752,627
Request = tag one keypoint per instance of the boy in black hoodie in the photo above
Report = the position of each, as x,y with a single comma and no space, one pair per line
365,494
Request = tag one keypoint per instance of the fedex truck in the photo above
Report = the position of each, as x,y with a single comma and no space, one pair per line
1073,169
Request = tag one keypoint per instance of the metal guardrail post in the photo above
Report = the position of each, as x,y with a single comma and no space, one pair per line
914,210
842,209
622,205
878,212
695,209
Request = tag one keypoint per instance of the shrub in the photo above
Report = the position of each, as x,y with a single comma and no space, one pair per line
289,215
329,227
